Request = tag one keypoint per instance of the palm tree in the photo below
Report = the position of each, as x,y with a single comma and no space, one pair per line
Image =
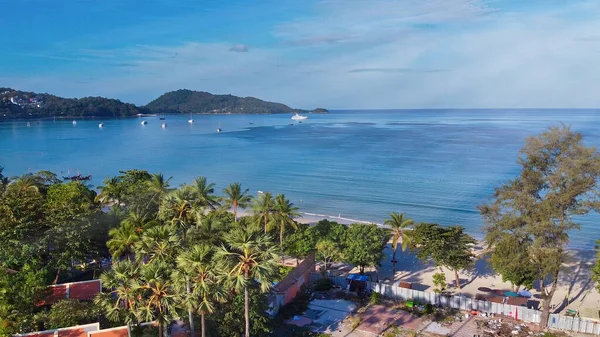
110,192
201,271
156,291
235,197
121,300
159,186
123,238
208,228
263,207
399,226
205,193
284,213
177,208
246,256
160,243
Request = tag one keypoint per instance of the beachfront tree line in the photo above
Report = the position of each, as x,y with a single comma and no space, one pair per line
181,253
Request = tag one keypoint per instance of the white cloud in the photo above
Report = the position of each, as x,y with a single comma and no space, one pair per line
380,54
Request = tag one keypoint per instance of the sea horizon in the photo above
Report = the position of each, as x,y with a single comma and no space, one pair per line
435,165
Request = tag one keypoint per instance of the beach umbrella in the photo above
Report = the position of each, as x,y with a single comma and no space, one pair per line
511,294
484,289
524,293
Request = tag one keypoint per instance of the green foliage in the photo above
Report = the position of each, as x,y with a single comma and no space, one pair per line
330,230
439,282
596,267
328,251
228,319
19,291
301,242
446,246
428,309
375,298
364,245
282,272
558,184
67,313
323,284
188,101
510,259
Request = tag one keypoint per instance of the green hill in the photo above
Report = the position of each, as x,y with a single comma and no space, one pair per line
22,104
188,101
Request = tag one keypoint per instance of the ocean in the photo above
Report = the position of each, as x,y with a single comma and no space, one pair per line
433,165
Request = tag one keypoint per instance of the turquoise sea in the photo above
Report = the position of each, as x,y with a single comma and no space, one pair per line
434,165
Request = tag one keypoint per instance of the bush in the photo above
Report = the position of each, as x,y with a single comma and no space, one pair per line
323,284
375,298
439,281
428,310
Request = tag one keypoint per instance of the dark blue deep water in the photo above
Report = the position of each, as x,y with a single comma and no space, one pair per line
436,166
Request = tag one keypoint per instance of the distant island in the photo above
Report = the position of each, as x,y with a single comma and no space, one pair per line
30,105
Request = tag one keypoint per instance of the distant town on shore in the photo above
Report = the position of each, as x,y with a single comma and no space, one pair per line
15,104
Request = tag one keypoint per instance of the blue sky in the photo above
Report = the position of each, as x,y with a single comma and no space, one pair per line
309,53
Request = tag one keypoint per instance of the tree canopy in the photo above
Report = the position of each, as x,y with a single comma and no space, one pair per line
558,183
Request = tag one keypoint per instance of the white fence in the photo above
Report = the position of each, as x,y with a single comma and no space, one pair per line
465,303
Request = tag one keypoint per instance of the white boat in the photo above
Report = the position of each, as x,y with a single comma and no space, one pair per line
28,124
144,122
219,129
101,125
298,117
191,120
164,125
74,122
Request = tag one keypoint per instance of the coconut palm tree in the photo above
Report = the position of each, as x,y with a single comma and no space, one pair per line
208,228
160,243
263,207
399,229
284,213
110,192
205,193
176,208
159,186
202,279
123,238
157,294
248,255
236,197
120,299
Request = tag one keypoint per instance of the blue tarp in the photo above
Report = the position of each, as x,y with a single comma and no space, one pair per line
356,277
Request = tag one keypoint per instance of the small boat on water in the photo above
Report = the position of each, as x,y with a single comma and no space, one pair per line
74,122
144,122
219,129
191,120
28,124
78,177
164,125
298,117
162,117
101,125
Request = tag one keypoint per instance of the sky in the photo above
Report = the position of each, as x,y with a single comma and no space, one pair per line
337,54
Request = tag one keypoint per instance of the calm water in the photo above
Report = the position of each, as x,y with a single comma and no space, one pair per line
433,165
